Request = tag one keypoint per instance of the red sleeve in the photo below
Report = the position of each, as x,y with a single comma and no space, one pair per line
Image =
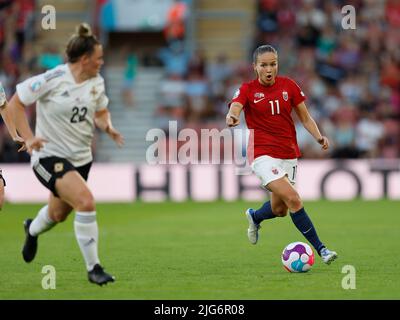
297,95
240,95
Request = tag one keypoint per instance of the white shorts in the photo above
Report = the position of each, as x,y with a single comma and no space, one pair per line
269,169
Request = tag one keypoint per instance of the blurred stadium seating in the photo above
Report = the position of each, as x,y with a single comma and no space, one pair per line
351,77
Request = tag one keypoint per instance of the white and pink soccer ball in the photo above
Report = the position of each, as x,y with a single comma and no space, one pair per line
297,257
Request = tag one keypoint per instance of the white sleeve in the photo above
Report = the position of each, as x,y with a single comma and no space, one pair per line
3,98
102,100
34,88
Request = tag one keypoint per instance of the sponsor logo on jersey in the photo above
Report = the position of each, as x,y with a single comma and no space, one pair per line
275,171
58,167
65,94
285,95
35,86
236,94
258,100
258,96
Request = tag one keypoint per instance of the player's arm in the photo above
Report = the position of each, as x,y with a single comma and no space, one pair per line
7,118
233,116
29,141
102,119
309,123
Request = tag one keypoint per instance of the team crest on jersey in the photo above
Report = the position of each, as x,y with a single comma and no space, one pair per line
58,167
275,171
236,94
93,92
259,95
285,95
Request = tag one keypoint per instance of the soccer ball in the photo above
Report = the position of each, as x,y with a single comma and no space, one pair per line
297,257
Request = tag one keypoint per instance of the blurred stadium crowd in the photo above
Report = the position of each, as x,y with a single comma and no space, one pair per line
18,61
351,77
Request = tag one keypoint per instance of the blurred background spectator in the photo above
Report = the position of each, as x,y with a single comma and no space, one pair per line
175,27
131,63
49,58
16,62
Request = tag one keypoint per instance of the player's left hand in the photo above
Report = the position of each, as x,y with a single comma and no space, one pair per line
324,142
116,136
20,142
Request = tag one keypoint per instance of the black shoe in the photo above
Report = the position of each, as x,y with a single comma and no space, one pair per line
30,245
98,276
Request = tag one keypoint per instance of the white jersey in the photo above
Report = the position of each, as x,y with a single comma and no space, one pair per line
2,96
64,113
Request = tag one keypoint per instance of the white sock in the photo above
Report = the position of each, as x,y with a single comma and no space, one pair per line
42,222
87,234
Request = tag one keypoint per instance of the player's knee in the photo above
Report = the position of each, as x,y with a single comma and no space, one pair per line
1,194
59,215
294,202
280,211
85,203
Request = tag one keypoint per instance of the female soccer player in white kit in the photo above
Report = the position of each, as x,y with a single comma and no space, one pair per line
71,101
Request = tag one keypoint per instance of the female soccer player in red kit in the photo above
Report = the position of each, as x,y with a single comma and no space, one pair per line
267,103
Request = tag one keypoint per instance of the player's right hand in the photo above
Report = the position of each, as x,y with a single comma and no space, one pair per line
34,143
232,120
116,136
324,142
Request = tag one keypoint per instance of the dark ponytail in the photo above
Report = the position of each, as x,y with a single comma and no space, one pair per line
81,43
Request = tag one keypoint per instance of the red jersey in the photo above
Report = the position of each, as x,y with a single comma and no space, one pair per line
267,111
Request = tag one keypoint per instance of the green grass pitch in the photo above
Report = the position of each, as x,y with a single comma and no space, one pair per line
200,251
